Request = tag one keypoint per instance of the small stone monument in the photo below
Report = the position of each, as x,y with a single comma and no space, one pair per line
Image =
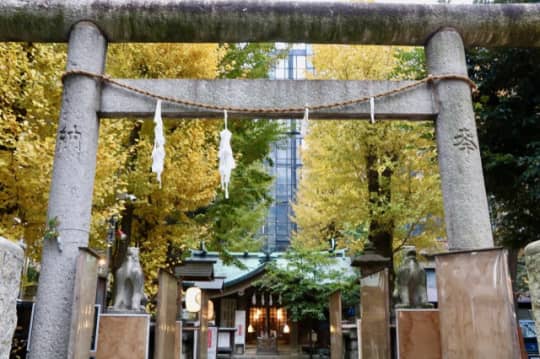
129,284
411,282
11,261
532,261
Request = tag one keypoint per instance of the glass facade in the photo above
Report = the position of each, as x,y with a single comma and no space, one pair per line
285,154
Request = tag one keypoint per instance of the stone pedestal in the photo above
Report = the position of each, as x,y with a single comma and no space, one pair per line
532,260
418,334
11,261
375,314
123,336
476,305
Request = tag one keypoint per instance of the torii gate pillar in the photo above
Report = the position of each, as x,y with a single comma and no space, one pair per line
464,194
70,198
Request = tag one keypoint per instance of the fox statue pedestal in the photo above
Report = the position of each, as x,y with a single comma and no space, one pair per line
123,336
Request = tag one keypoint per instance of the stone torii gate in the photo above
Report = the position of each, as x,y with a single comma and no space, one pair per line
88,25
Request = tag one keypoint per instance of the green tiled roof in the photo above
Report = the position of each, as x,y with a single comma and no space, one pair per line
255,262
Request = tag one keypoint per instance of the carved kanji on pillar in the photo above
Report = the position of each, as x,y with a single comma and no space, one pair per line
464,140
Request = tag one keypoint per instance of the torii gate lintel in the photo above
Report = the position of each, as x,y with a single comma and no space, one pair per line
288,21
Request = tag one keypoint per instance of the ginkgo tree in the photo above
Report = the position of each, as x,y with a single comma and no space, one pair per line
364,181
162,221
166,220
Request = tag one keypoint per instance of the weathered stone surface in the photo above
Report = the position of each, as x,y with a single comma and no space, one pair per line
129,284
288,21
532,261
465,202
415,104
70,199
11,261
410,287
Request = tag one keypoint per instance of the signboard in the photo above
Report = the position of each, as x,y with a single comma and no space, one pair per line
84,296
359,337
224,339
240,325
528,328
431,285
212,342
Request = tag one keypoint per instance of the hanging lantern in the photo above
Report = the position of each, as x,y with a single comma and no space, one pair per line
193,299
270,300
211,310
254,299
262,299
286,329
251,329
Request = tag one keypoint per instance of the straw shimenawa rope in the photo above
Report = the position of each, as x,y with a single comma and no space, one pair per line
291,110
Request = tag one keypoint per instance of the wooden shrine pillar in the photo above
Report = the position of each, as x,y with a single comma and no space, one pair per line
336,335
202,345
165,330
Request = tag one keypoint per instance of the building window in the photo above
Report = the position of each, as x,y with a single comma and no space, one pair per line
285,154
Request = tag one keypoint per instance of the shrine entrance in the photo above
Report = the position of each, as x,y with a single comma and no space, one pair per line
87,25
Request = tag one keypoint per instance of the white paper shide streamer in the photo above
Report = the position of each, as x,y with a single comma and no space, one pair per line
158,153
304,128
372,109
226,159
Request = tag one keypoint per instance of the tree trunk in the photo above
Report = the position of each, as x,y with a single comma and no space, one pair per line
120,247
381,227
311,347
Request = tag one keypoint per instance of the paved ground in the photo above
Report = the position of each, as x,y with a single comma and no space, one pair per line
283,352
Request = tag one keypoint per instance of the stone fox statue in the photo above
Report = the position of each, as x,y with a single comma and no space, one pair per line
129,283
411,282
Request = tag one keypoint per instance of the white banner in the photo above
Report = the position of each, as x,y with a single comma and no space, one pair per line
212,342
240,325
